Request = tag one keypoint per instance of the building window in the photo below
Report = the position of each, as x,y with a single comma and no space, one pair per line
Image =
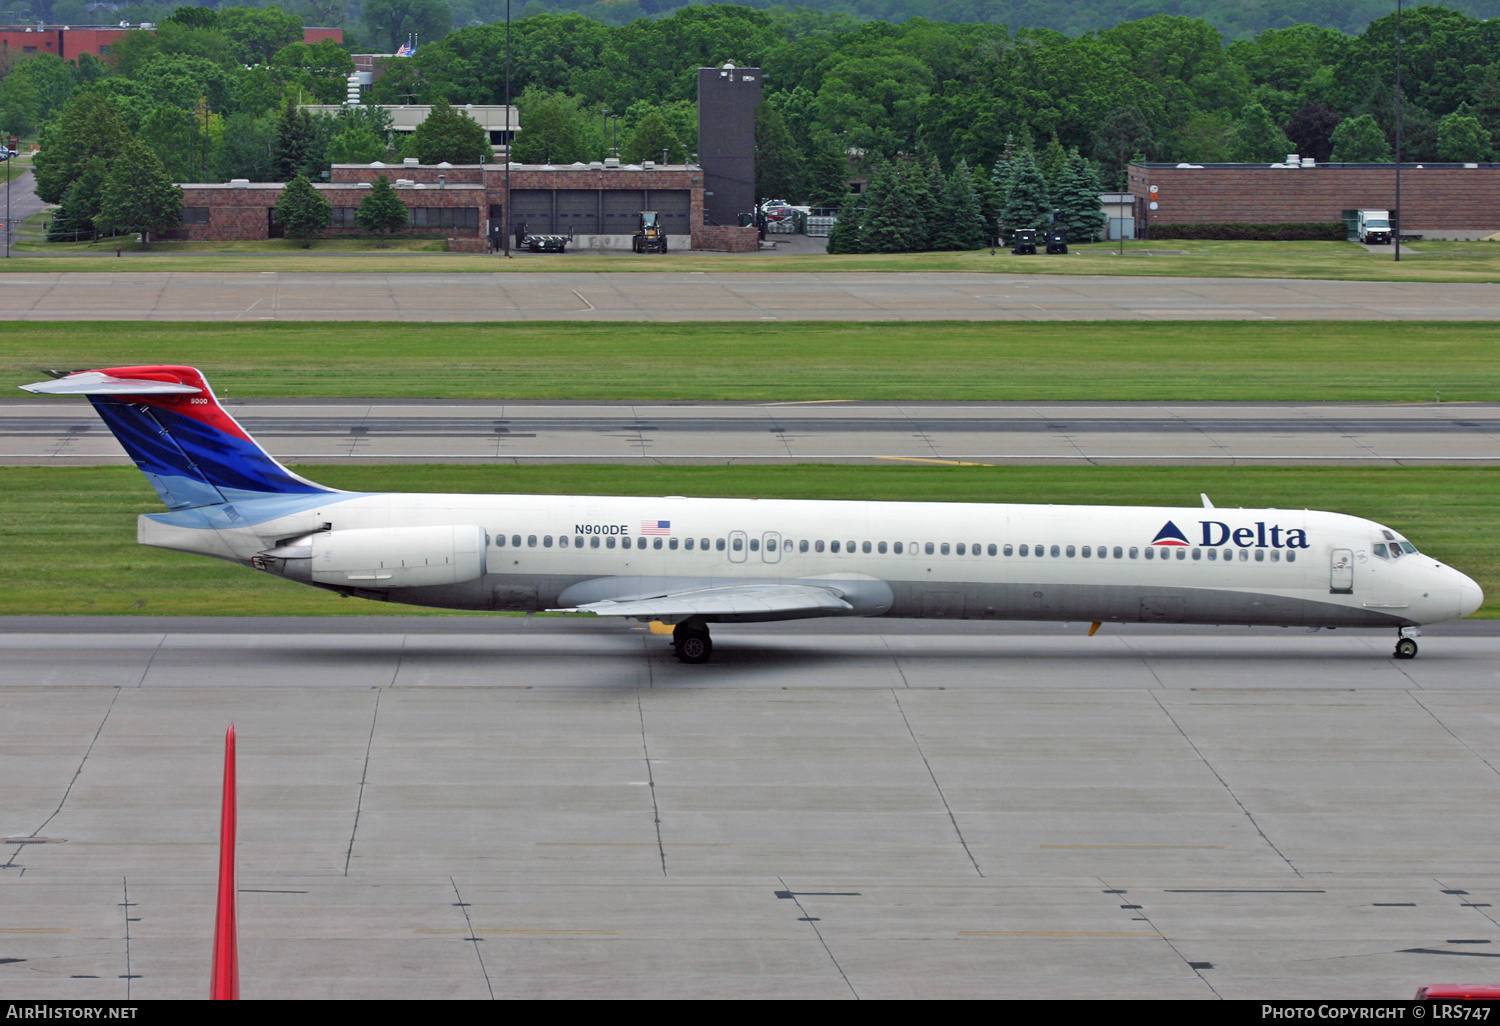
343,217
195,215
442,217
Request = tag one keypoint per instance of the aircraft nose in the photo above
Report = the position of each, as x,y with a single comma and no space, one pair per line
1470,596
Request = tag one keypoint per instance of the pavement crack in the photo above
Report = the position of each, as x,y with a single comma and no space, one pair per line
145,670
896,662
661,849
472,937
1224,784
81,763
813,922
1467,747
363,777
933,776
127,906
1142,916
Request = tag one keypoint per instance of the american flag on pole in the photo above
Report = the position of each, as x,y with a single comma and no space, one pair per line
656,527
405,49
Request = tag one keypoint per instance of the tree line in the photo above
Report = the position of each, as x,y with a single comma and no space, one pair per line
209,91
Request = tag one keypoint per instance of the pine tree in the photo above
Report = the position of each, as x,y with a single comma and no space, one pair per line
1078,204
450,135
302,211
967,217
294,141
1052,161
1028,205
844,236
890,224
989,203
381,211
138,196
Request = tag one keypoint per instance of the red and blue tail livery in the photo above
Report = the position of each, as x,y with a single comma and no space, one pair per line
191,450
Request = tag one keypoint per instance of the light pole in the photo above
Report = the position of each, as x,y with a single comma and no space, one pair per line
614,134
1396,220
505,207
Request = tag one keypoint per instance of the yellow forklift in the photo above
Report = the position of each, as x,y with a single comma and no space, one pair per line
650,237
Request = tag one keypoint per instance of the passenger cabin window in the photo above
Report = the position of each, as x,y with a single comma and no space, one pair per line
1025,551
1150,553
1070,552
818,546
609,542
738,544
1134,552
594,541
802,545
992,549
500,543
546,541
719,545
515,541
929,548
531,541
672,543
754,544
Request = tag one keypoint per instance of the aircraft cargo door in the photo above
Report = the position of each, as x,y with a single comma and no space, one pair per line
1341,572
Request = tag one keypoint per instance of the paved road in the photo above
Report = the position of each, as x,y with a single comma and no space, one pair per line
625,296
557,808
67,433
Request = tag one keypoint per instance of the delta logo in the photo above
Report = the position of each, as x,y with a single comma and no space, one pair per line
1216,533
1170,534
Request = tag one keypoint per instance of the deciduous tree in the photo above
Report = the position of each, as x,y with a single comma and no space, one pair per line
138,195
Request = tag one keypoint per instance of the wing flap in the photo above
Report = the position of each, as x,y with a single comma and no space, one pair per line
741,600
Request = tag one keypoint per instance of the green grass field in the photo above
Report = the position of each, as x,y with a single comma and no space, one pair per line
69,535
1440,262
1116,361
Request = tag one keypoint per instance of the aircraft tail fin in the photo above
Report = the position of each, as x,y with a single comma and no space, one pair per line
190,449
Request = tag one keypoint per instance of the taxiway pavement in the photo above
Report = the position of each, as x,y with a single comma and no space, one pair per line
547,807
68,433
718,296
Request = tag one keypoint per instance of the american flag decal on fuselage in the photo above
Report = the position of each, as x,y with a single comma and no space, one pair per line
656,527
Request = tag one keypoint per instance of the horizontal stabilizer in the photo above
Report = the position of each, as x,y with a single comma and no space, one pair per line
741,600
99,383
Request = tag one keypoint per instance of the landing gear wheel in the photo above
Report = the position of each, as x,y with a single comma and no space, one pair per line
692,643
1406,648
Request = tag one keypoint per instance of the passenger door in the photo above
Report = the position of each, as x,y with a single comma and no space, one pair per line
1341,572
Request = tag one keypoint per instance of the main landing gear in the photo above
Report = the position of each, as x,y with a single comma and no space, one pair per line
692,642
1406,644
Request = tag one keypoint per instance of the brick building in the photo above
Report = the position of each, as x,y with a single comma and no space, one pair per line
597,204
1434,197
68,41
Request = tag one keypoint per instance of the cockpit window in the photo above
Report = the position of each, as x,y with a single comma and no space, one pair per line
1379,549
1408,547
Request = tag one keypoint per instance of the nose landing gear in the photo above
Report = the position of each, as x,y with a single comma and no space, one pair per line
692,642
1406,644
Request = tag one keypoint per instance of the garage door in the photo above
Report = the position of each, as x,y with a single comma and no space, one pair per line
622,211
534,207
578,211
675,207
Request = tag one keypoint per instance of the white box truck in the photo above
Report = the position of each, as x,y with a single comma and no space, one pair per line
1375,227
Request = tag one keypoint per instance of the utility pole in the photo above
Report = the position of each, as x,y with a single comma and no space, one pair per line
505,207
1396,219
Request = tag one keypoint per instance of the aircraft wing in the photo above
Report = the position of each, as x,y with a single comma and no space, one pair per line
777,600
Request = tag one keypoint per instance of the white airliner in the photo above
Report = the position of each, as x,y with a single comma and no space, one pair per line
695,562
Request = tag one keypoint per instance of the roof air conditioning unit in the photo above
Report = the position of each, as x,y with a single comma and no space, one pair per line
239,183
410,161
612,162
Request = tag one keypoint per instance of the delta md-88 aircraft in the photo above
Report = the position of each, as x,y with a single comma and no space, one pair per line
695,562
